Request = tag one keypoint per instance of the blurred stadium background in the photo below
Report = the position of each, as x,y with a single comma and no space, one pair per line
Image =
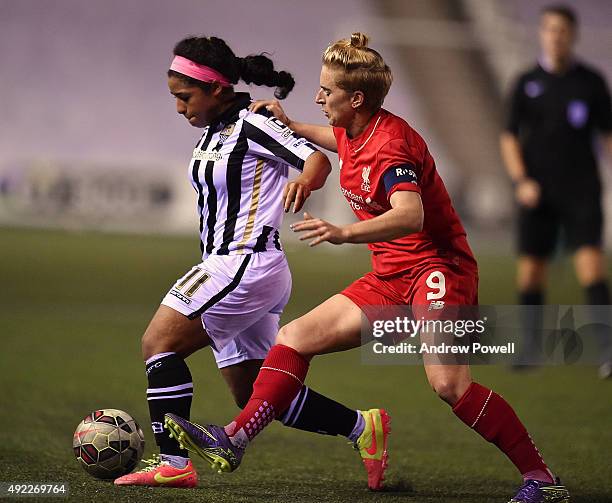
90,142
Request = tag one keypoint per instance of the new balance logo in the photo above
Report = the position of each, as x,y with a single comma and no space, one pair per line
436,304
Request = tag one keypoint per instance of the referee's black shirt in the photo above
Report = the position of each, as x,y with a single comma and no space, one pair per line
555,118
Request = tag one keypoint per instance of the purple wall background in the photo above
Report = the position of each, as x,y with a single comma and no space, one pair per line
595,32
87,79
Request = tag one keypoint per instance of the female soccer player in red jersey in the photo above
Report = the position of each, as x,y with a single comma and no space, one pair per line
420,258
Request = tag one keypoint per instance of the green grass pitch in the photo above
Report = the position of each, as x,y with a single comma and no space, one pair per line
74,305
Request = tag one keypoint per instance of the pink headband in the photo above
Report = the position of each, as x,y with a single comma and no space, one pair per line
197,71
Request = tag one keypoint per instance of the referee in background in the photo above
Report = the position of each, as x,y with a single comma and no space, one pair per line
556,109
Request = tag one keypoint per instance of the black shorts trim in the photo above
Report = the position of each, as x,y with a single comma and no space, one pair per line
223,293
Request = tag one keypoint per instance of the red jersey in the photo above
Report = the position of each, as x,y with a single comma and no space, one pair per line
389,156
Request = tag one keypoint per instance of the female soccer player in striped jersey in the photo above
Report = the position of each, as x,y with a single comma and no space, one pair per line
233,299
420,258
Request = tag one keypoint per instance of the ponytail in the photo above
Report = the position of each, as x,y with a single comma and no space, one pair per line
259,70
255,69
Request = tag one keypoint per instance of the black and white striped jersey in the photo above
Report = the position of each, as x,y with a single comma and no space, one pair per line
239,170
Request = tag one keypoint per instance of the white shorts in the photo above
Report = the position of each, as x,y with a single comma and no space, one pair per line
239,298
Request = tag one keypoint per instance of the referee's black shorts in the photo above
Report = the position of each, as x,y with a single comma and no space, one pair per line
577,217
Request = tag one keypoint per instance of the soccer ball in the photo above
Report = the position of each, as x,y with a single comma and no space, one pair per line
108,443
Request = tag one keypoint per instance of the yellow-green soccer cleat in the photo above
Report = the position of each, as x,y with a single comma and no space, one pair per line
372,445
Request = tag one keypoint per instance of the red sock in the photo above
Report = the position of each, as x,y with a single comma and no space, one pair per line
492,417
281,377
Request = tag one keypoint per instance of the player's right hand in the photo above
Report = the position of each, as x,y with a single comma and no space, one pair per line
295,192
528,192
272,106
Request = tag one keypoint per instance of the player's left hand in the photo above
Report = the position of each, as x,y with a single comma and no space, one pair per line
295,192
320,230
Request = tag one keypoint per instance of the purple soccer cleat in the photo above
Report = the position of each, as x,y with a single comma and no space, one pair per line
536,491
209,442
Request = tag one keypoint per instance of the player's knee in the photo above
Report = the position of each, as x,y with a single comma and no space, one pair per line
531,274
152,343
147,346
448,389
296,336
529,280
288,335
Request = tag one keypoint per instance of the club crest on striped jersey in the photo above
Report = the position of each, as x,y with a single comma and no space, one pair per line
226,132
212,153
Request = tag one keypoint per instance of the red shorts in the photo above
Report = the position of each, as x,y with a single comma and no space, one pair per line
427,291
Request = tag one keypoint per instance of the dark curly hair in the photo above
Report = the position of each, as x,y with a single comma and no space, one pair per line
255,69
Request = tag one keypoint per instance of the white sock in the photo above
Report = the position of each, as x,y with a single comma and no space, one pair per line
237,438
175,461
359,427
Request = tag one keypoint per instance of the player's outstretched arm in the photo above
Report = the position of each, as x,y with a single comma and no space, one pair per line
319,135
405,217
316,170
